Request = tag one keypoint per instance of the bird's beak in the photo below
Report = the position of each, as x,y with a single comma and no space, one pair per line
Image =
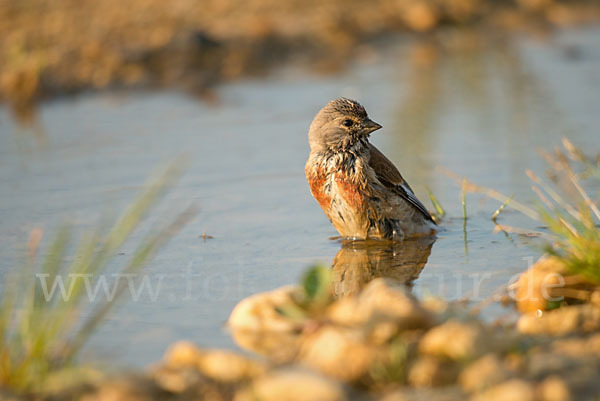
370,126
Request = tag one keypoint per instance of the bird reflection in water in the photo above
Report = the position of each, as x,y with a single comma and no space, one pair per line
359,262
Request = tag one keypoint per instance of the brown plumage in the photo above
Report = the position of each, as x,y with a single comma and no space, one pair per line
362,193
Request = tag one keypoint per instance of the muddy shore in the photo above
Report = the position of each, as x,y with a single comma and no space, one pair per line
56,48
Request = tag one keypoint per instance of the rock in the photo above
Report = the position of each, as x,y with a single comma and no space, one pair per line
573,347
163,383
338,352
579,373
456,340
130,387
428,371
227,366
534,286
219,365
515,362
258,313
71,383
345,312
593,344
485,372
280,347
420,15
176,380
578,347
511,390
7,396
257,325
182,353
534,5
461,10
541,364
595,298
567,319
381,332
582,378
381,299
554,388
426,394
435,305
292,384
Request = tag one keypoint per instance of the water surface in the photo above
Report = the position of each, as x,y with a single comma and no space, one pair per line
478,109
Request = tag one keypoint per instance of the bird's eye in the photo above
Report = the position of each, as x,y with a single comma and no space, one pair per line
348,123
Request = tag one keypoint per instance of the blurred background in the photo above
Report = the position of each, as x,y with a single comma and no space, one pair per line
50,48
97,94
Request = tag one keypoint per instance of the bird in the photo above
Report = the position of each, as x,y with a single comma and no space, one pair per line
360,190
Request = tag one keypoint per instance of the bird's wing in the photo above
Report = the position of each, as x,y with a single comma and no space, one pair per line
389,176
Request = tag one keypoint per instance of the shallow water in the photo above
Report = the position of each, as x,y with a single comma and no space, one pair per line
477,108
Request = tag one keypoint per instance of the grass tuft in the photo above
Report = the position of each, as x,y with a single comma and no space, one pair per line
572,215
41,336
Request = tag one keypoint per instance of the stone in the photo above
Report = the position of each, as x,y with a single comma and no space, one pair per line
455,340
258,313
574,347
448,393
535,285
7,396
429,371
554,388
257,325
420,16
219,365
338,352
381,299
176,380
582,378
483,373
567,319
280,347
381,332
541,364
511,390
435,305
130,387
182,353
292,384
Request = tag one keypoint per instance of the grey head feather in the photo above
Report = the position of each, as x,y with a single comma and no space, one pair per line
329,132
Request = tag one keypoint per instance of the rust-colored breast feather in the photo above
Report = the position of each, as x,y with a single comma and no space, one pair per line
340,195
316,180
349,190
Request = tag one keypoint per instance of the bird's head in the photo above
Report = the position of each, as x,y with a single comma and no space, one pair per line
339,125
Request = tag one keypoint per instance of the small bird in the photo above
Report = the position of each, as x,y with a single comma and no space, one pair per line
359,189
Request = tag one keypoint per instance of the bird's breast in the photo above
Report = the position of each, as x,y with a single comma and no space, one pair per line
339,189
